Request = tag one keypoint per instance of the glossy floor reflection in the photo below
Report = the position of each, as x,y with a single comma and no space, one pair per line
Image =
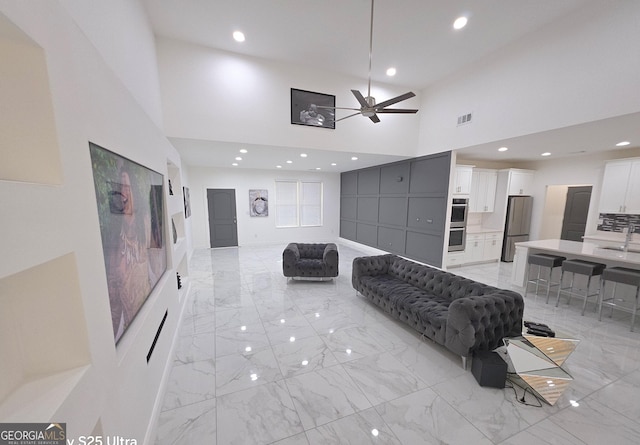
262,360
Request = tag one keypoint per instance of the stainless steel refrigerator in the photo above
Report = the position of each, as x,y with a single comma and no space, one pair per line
517,224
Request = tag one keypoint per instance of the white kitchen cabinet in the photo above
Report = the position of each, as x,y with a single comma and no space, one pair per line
483,190
520,182
474,248
456,259
492,247
462,181
620,187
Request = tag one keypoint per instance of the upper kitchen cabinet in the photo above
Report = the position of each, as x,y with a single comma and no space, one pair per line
462,180
483,190
620,186
520,182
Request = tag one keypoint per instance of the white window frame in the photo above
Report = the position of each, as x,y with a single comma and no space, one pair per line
281,203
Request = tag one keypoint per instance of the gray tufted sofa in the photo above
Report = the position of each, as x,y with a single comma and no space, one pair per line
459,313
310,260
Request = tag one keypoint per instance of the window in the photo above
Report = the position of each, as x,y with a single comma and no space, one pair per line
298,203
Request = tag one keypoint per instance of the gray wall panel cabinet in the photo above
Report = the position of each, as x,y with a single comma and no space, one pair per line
430,175
347,229
391,240
393,211
348,207
424,247
368,209
399,207
426,214
367,234
349,183
394,179
369,181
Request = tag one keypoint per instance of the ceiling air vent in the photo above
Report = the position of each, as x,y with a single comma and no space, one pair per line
464,119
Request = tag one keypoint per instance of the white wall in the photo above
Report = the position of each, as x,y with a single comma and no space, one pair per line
120,31
578,170
215,95
580,69
261,230
115,390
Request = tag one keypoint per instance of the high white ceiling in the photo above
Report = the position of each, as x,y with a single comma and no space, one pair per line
414,36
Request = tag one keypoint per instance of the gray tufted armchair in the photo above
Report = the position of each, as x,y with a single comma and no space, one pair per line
310,260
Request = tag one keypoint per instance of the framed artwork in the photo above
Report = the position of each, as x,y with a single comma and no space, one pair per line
187,202
306,109
131,216
259,202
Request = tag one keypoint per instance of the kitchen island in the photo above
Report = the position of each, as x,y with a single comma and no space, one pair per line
571,249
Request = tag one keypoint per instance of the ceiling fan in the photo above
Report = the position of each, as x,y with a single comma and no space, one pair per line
368,106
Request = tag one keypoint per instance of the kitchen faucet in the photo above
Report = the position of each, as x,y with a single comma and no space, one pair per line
630,229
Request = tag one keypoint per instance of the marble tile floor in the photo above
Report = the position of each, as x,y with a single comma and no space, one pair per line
263,360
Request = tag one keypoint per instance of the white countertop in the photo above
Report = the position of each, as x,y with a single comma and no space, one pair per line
584,249
475,230
615,238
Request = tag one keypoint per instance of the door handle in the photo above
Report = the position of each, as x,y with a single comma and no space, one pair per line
234,221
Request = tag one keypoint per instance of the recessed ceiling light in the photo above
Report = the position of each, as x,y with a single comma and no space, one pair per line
238,36
235,164
243,150
503,148
546,153
303,155
622,144
289,162
238,158
460,23
318,168
391,71
333,164
278,166
354,158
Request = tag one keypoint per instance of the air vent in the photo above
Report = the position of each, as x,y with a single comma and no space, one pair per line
464,119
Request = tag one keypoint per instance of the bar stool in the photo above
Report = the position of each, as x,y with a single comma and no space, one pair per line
542,260
580,267
620,275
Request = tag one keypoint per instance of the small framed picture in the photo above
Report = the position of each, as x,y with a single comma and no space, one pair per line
308,108
259,202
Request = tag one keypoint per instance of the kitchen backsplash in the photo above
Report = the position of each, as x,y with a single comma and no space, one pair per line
614,222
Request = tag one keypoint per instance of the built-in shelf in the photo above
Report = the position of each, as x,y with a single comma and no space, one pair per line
28,134
43,335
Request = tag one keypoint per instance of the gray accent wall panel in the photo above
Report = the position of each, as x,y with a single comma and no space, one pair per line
367,234
426,214
368,209
391,240
424,247
348,207
369,181
347,229
349,183
399,207
394,179
430,175
393,211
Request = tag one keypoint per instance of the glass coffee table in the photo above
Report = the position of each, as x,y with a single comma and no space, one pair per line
537,363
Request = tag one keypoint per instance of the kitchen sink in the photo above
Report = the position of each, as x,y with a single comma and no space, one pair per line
621,249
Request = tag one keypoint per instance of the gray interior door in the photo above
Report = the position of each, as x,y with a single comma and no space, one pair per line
575,213
223,229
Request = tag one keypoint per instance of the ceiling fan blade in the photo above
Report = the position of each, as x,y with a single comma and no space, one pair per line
374,119
396,110
395,100
360,98
343,118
